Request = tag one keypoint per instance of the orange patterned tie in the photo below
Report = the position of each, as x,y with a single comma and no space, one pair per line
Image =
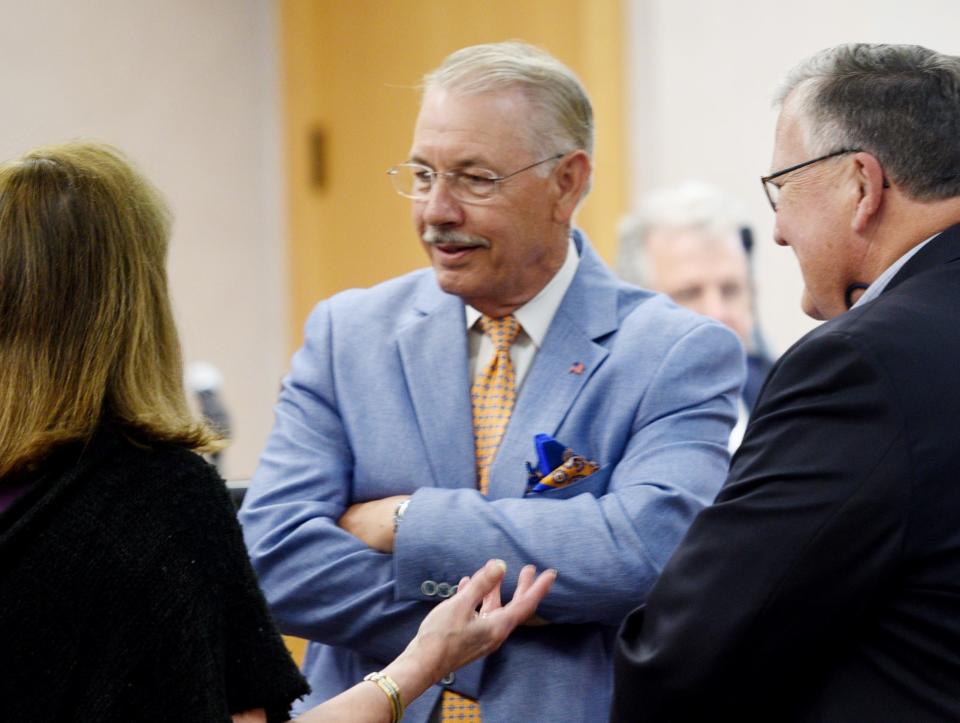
493,394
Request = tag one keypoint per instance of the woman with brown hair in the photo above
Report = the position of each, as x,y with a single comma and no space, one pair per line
125,591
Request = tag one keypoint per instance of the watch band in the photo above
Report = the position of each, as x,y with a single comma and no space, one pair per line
398,513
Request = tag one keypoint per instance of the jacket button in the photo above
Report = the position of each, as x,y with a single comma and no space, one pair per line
448,679
428,588
444,590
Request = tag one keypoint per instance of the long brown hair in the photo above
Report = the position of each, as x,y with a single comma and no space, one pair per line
86,328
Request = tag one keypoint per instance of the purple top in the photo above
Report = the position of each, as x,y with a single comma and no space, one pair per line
10,492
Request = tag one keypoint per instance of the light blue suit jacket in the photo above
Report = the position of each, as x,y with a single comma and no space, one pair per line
377,404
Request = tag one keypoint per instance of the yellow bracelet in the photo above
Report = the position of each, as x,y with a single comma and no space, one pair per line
391,690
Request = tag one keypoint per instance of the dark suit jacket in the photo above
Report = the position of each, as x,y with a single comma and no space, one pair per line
758,366
824,583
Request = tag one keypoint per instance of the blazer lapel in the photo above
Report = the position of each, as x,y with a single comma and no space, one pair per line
569,357
433,354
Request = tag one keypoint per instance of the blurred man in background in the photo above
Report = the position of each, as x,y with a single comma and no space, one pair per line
690,243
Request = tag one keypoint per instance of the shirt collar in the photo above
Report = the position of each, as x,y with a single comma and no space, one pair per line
535,316
880,283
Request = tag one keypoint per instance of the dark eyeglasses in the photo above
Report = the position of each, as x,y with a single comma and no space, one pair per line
773,189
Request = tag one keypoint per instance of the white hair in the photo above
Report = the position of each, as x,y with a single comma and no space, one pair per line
899,102
693,206
564,117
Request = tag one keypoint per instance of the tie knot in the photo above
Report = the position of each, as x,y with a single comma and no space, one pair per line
503,331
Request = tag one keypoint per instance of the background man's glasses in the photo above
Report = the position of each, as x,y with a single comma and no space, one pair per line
469,185
773,189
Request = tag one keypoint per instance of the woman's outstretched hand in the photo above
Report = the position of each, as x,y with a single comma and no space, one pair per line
473,623
469,625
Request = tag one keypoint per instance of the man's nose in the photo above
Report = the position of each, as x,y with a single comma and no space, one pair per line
440,207
715,306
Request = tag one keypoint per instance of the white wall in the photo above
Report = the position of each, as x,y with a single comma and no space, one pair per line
188,89
702,75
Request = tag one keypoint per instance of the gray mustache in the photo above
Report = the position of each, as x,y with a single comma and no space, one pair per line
453,238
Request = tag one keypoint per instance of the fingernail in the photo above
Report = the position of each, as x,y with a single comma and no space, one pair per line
555,571
501,564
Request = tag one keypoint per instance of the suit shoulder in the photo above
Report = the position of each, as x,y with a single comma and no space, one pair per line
915,320
386,294
654,316
386,302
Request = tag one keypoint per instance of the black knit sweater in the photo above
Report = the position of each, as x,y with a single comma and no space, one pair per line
126,595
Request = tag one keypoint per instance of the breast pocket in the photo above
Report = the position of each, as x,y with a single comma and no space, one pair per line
595,484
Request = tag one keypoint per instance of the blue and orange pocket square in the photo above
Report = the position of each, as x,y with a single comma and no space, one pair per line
557,466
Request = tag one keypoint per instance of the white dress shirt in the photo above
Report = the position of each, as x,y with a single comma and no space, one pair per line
534,318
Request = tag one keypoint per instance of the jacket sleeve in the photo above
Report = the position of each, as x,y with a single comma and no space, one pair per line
322,583
609,546
800,539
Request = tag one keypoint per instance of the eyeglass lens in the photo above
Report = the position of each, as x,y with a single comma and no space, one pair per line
415,181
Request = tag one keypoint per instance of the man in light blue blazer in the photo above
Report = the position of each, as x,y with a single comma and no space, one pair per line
364,511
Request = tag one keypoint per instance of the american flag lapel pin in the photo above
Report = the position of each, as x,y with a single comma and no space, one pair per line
577,368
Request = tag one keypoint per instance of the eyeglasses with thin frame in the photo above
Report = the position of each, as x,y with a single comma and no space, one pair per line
773,189
469,185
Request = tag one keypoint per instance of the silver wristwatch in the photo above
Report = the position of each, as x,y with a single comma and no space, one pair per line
398,513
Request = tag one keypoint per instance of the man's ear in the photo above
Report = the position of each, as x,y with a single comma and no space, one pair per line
571,177
871,183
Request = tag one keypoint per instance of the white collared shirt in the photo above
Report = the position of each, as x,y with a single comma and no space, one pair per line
534,317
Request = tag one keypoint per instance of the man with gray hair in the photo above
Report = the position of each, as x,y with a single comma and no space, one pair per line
824,583
688,243
389,475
